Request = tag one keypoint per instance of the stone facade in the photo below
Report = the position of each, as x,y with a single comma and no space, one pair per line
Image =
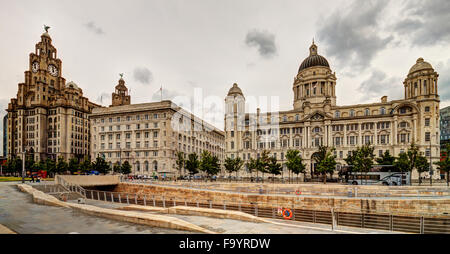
48,118
316,119
150,135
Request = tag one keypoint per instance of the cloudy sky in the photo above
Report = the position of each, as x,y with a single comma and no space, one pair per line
182,45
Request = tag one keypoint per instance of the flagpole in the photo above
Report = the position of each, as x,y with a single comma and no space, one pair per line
161,92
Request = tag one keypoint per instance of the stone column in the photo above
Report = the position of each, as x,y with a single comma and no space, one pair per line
415,138
394,128
360,141
376,134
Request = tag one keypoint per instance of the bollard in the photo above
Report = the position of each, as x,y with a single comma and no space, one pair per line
145,200
128,200
120,200
92,195
154,201
210,204
332,219
164,202
104,195
112,197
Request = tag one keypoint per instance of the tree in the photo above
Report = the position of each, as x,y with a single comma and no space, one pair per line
294,163
117,168
444,164
61,166
326,162
273,167
386,159
422,165
126,168
50,165
86,165
406,162
101,166
192,164
262,163
74,165
233,165
251,166
209,164
38,166
229,166
363,160
180,161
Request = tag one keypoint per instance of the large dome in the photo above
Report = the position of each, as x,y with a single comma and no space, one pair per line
313,59
420,65
235,90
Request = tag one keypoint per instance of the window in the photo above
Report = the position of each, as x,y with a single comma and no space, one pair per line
367,112
427,109
427,136
382,111
337,114
427,122
352,113
284,118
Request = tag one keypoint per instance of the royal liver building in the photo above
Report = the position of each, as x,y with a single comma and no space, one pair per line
317,120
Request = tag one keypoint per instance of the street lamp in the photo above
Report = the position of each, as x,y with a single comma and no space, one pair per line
23,165
431,164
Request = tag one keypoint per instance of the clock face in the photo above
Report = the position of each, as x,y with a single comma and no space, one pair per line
35,67
53,70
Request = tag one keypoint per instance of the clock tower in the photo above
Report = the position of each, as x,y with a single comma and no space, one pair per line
48,118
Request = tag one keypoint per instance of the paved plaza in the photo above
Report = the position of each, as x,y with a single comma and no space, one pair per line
20,214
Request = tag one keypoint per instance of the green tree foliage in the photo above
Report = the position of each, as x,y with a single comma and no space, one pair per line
326,161
61,166
233,165
192,164
262,163
295,163
363,160
252,166
74,165
422,165
101,166
386,159
86,165
14,166
407,162
273,167
126,168
180,161
444,164
38,166
50,165
117,168
209,164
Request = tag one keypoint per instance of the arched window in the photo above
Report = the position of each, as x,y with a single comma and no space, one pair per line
337,114
284,118
367,112
317,129
352,113
155,165
382,111
297,118
138,166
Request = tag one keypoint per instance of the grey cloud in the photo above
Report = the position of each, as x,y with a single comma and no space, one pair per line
427,22
444,80
143,75
94,28
351,35
379,84
263,40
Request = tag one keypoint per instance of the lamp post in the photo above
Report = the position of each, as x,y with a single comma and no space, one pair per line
23,165
431,166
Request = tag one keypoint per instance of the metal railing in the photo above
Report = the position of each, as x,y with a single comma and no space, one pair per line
350,191
420,224
71,186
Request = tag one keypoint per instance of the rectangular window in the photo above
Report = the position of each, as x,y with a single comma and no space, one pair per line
427,137
427,122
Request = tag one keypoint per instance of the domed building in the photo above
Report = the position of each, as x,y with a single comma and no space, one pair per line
316,120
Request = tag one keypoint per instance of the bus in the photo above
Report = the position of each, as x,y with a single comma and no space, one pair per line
379,175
